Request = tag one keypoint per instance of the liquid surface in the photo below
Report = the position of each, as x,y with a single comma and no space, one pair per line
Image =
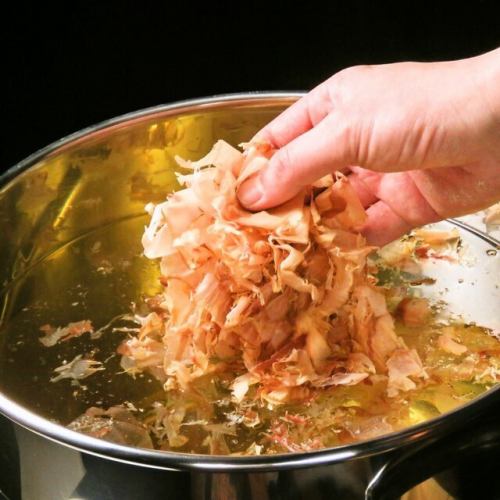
100,275
72,252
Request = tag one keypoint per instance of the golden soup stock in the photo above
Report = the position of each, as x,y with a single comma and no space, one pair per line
72,251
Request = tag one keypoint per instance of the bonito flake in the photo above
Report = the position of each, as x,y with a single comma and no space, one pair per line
280,298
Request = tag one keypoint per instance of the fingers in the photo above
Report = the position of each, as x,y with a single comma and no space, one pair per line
400,206
395,204
303,135
399,191
366,197
298,118
383,225
317,152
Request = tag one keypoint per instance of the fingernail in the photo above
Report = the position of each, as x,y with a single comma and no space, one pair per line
250,192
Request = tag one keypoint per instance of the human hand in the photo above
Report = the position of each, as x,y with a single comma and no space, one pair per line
419,141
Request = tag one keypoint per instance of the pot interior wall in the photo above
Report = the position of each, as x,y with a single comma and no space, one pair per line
71,248
71,251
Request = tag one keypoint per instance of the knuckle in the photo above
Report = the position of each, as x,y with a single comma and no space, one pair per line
356,71
270,135
282,167
345,134
342,84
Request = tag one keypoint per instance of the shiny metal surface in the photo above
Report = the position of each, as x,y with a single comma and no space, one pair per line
462,466
111,156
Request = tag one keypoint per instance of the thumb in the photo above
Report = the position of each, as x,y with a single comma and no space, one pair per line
317,152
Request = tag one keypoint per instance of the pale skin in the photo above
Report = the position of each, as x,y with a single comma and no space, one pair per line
420,142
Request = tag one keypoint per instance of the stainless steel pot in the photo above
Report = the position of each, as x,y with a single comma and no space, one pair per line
101,177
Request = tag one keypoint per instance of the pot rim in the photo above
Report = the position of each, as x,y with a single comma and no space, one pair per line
224,463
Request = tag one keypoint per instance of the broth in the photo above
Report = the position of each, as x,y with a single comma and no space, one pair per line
71,251
99,275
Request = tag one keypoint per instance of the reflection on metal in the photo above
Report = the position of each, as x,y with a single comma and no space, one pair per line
38,472
428,490
66,204
70,217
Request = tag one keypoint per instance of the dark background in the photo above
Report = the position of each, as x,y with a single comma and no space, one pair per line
68,67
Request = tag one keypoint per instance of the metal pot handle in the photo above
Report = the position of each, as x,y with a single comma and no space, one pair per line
420,462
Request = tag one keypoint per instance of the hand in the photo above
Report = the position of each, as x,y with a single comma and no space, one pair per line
419,141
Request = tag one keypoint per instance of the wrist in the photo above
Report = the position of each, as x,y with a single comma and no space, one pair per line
486,70
489,81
